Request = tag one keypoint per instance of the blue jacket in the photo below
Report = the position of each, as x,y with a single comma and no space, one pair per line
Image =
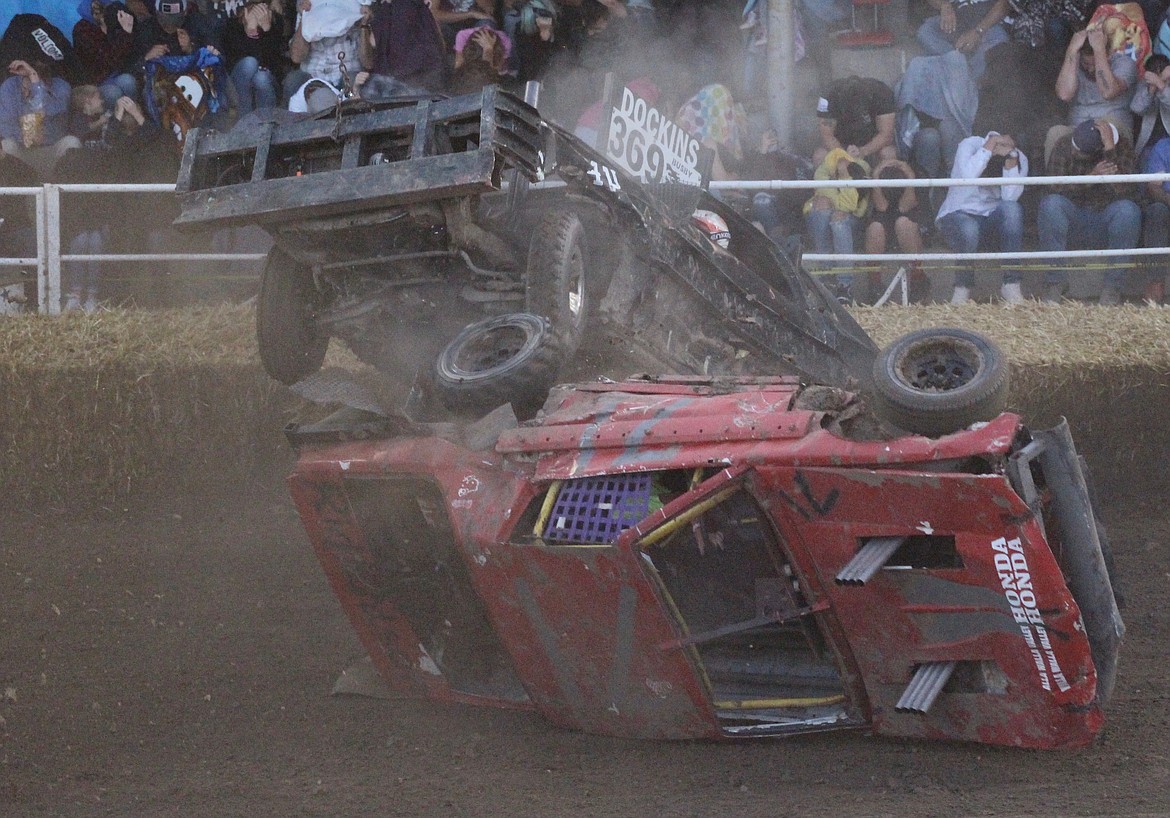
56,109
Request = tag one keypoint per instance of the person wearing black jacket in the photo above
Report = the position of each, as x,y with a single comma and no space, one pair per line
254,44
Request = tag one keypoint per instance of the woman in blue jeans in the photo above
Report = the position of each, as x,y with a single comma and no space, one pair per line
253,43
969,214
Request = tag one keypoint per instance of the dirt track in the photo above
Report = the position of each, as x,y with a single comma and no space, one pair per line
175,658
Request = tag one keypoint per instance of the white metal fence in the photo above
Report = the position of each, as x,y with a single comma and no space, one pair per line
49,259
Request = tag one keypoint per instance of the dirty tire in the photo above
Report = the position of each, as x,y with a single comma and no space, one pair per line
510,358
556,280
934,382
290,345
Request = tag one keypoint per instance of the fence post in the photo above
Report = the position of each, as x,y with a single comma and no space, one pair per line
42,269
52,248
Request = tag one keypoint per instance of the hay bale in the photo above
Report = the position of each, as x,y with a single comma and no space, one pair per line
102,406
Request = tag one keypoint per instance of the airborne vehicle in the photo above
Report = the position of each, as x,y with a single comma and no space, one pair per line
792,533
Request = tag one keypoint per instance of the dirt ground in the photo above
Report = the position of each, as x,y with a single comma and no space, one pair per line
175,657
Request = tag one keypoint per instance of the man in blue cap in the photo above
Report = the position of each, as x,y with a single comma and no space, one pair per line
1100,216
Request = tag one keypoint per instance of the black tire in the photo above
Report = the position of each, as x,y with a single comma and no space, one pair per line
556,282
510,358
291,346
934,382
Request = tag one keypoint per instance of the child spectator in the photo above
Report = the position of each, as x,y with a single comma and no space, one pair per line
103,40
34,115
253,42
834,214
96,122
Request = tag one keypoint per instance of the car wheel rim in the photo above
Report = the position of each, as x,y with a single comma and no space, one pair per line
490,350
936,367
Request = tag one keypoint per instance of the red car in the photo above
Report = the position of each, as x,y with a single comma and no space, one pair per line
688,557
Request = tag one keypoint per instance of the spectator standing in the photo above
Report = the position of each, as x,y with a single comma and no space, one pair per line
857,115
253,42
969,215
972,27
1095,83
1098,216
403,45
103,40
34,116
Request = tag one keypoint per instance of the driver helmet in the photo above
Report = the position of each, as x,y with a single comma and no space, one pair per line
713,225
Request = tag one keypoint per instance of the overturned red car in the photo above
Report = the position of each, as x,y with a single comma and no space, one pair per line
721,557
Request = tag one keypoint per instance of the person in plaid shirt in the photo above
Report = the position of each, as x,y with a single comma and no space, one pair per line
1100,216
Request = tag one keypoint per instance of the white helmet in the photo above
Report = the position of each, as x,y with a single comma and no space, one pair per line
713,225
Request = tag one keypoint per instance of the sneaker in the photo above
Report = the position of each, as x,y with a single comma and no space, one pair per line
1012,293
1054,293
961,294
72,302
1110,296
1155,293
844,294
90,306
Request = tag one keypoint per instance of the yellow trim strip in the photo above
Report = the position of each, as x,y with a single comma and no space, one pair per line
768,704
546,508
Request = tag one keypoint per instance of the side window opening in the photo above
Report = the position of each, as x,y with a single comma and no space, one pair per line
730,586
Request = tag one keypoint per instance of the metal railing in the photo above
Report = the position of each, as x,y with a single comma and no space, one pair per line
49,258
48,237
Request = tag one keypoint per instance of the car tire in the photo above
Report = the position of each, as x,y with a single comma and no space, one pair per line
511,358
556,282
291,346
934,382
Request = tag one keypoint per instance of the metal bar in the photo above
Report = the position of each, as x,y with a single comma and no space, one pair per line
924,687
259,159
869,560
998,181
164,257
1023,254
52,200
777,618
42,268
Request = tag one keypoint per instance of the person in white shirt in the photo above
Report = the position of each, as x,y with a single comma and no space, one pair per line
968,214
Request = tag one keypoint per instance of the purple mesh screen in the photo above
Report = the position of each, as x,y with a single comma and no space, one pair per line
598,509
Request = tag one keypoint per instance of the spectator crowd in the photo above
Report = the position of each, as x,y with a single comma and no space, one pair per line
1003,88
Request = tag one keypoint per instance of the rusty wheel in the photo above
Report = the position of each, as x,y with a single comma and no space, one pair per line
937,381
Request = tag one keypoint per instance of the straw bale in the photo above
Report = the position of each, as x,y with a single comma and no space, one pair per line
104,405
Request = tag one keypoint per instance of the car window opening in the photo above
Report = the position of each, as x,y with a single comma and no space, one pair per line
735,596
